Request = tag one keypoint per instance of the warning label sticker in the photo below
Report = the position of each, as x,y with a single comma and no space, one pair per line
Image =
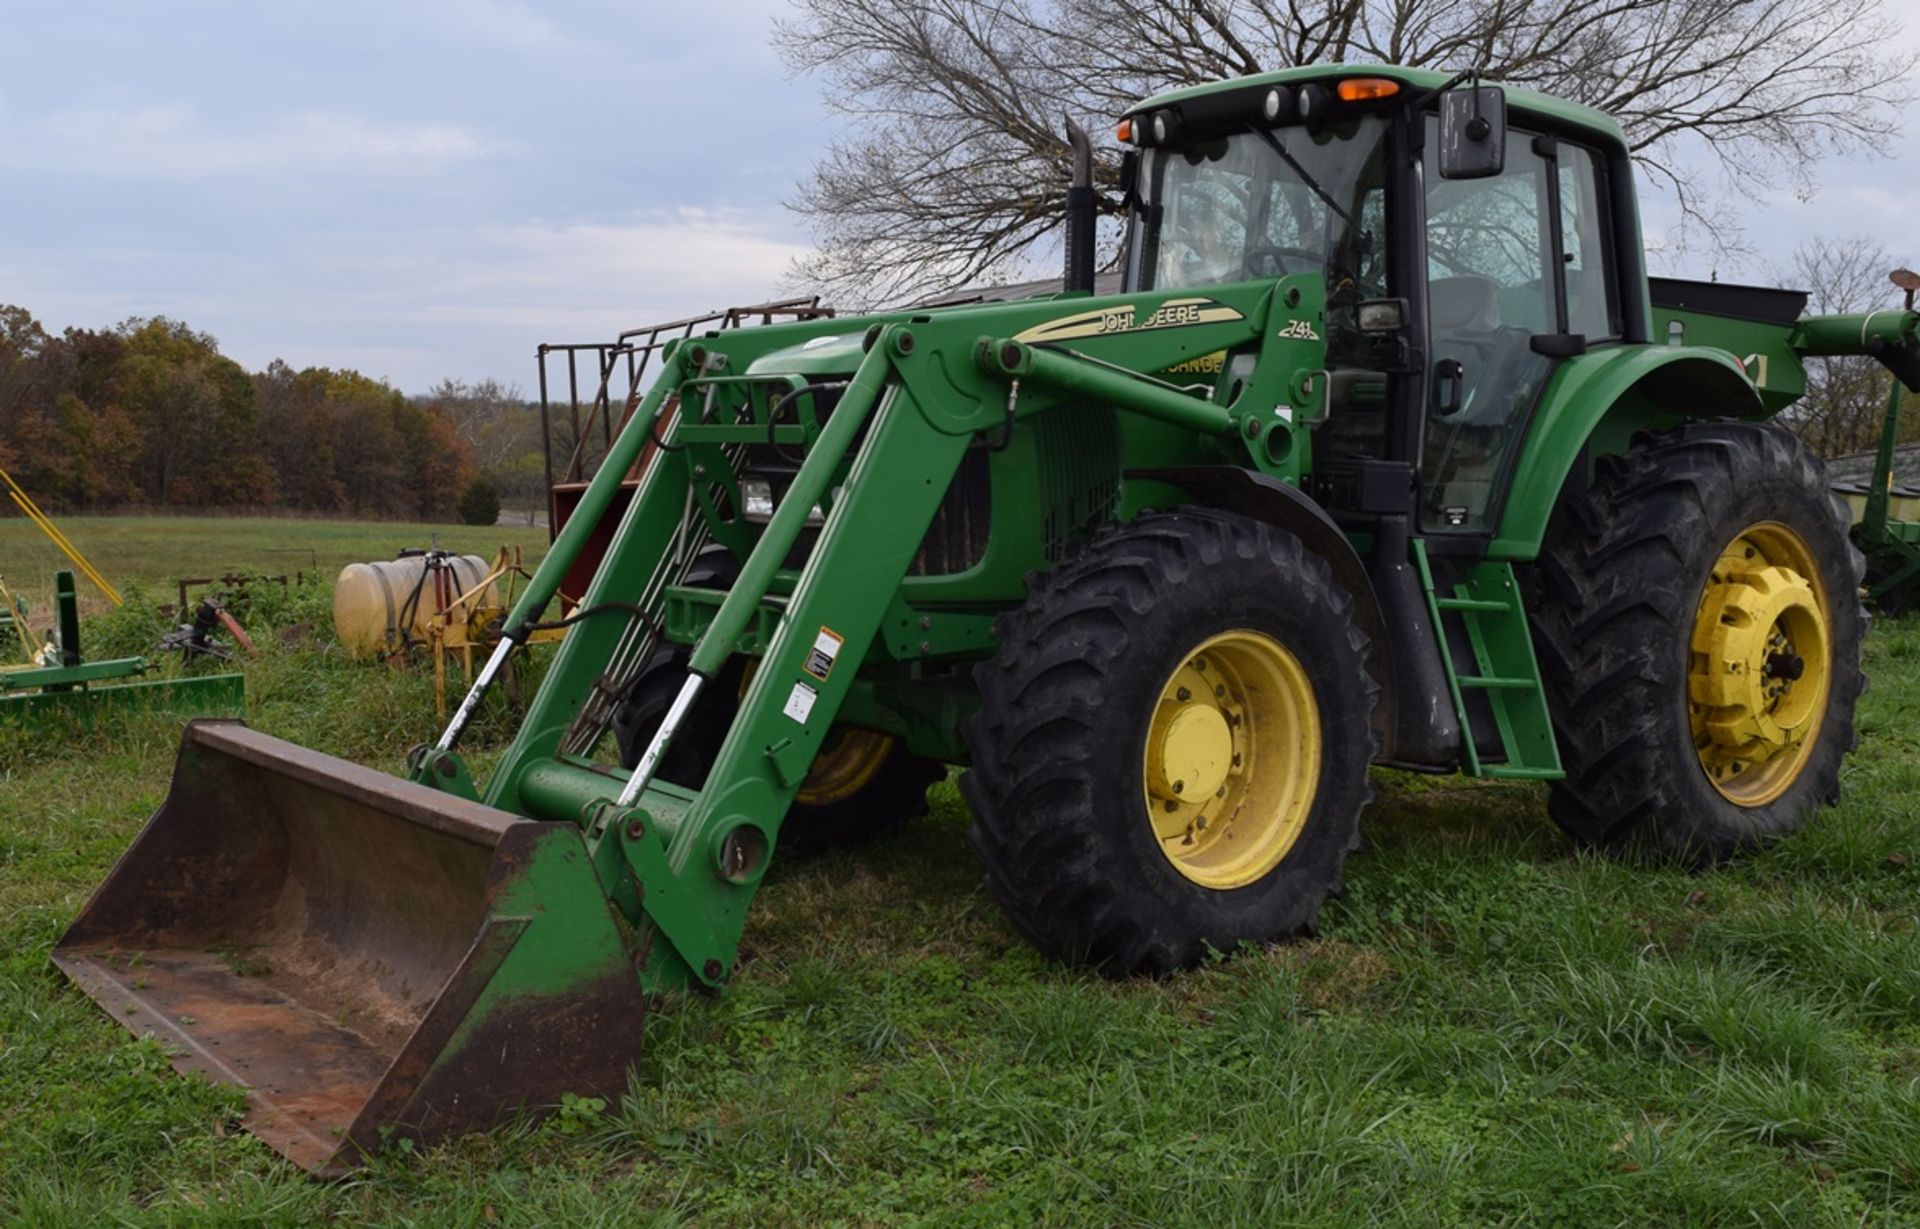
826,647
800,702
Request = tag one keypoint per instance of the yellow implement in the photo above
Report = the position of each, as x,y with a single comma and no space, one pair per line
16,615
45,523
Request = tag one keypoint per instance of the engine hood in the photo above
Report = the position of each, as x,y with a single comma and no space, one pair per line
836,354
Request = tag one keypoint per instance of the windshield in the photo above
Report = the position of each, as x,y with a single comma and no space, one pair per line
1259,204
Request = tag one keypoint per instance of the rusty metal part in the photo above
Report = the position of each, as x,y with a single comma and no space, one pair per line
365,956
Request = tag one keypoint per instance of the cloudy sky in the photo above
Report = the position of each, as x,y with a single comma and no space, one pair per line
429,188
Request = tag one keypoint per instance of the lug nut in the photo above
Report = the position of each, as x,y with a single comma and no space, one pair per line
1183,695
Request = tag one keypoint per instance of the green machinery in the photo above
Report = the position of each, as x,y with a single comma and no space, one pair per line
58,679
1386,451
1891,544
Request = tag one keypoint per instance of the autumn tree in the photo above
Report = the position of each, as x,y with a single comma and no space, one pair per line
953,167
497,423
300,437
152,413
194,409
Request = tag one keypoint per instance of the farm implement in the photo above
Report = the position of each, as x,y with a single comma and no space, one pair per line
1386,452
56,678
1891,542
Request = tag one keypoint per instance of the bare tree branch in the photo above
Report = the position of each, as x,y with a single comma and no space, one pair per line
955,167
1846,397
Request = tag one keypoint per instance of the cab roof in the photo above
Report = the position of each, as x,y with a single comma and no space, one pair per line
1527,103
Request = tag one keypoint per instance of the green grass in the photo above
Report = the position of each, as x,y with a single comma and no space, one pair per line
155,551
1492,1029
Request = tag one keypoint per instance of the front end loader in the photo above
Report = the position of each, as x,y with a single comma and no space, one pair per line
1385,454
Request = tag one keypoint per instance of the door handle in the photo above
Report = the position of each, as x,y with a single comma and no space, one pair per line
1450,382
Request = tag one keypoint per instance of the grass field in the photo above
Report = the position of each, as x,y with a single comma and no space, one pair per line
154,551
1492,1029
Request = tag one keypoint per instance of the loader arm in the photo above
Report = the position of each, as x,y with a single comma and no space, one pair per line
685,863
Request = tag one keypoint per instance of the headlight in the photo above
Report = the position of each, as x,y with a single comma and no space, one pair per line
758,493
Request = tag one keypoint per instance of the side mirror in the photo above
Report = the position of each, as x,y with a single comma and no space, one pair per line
1473,132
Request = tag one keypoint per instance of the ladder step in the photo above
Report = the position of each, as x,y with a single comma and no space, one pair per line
1522,774
1472,603
1496,683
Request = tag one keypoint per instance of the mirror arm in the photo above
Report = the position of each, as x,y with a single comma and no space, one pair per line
1420,103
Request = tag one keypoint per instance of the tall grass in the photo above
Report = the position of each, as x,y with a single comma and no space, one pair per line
1493,1029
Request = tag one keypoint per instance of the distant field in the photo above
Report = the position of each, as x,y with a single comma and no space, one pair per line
156,550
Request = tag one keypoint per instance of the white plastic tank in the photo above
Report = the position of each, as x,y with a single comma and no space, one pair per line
381,607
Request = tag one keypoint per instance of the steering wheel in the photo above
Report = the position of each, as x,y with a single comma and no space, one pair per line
1274,252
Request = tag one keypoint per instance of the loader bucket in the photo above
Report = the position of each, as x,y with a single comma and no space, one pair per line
367,957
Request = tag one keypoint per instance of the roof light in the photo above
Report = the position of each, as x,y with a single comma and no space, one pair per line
1313,102
1368,89
1280,106
1125,131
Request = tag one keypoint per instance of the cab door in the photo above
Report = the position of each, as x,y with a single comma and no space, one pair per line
1518,278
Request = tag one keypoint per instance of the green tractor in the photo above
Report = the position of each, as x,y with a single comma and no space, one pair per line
1386,452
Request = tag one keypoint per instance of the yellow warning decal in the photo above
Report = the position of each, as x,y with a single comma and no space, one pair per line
820,658
1173,314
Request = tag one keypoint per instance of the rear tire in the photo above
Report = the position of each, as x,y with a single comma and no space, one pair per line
1644,585
1099,708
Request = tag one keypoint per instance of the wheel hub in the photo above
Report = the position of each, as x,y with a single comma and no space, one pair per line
1757,686
1231,764
1193,754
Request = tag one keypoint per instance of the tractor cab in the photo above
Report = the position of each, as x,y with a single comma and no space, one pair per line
1463,256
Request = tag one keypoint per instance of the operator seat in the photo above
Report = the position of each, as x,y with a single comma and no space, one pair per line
1467,328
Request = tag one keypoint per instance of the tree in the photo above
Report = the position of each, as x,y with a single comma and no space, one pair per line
523,483
494,420
23,373
195,412
1846,397
955,167
480,502
299,435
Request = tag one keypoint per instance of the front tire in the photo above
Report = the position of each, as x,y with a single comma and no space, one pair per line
1699,627
1171,752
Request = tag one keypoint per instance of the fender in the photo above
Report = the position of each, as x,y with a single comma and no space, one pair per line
1265,498
1610,394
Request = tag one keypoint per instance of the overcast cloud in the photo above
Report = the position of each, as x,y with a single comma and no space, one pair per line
430,188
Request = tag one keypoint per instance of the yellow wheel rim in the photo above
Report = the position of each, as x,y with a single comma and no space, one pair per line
848,761
1761,665
1232,759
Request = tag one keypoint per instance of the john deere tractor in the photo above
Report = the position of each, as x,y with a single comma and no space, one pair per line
1386,452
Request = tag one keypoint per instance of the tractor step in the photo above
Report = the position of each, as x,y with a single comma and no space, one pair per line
1486,605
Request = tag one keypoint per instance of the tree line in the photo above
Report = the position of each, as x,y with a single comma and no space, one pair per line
149,413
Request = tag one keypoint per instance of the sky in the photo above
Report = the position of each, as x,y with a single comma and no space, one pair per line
425,189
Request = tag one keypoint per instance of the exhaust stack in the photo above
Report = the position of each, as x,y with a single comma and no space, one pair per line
1080,212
